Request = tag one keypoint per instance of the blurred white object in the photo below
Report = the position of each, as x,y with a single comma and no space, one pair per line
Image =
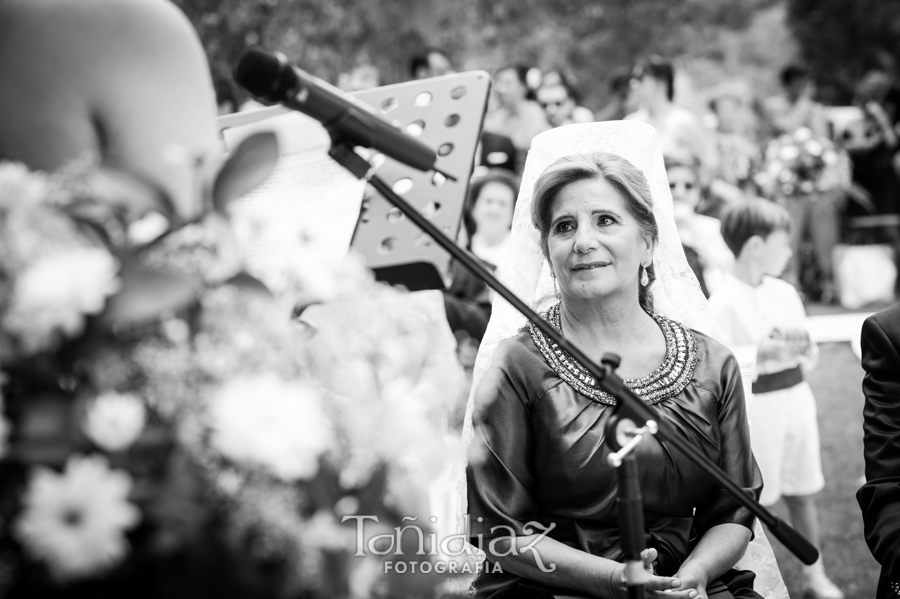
839,328
845,122
746,357
864,274
114,421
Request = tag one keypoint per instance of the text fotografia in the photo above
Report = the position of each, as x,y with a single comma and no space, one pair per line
441,567
412,539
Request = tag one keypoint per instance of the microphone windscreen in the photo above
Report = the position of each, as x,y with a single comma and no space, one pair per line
266,75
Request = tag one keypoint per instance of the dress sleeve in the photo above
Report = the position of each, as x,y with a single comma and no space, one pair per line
735,457
879,498
499,473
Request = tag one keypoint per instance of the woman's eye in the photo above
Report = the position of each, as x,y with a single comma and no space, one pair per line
606,220
564,227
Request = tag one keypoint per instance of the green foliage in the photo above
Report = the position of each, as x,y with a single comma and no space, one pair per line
842,39
325,37
593,38
590,38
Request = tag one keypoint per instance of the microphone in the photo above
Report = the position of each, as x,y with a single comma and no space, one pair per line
269,76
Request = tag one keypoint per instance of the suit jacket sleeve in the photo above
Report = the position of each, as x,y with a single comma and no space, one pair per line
879,498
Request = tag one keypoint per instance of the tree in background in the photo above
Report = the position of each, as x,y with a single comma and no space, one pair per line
593,38
324,37
708,38
840,40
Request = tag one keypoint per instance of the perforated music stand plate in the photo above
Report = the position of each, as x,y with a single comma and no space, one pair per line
447,113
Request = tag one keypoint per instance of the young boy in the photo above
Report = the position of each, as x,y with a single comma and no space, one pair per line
754,308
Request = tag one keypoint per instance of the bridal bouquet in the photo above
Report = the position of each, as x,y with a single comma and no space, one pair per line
166,428
802,163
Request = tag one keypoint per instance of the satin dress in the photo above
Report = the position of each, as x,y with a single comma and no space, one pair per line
539,454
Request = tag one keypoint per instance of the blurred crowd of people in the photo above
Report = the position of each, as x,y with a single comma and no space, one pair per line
714,158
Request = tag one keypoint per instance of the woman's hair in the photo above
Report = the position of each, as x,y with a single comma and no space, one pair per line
475,187
565,79
659,69
627,179
753,216
791,73
523,73
687,161
874,86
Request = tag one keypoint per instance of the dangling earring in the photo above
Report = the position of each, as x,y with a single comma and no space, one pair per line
555,289
644,278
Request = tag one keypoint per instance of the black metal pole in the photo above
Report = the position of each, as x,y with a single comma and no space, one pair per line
634,407
631,521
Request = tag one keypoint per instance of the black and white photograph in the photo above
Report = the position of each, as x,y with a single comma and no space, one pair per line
449,299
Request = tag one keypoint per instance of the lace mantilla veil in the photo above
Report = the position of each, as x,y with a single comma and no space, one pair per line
676,293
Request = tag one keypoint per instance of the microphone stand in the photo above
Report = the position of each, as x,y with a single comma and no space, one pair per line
623,436
629,405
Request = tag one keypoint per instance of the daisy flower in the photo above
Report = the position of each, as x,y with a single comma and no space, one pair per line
75,522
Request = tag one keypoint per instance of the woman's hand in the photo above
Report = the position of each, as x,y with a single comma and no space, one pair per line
659,586
693,582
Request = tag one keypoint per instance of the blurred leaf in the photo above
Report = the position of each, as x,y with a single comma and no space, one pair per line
247,282
146,295
247,167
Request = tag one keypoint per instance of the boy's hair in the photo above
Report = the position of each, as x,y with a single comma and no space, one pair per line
791,73
753,216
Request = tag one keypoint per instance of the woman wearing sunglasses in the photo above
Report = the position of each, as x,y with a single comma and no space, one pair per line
701,235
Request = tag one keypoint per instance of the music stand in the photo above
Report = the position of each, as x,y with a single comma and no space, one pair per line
447,112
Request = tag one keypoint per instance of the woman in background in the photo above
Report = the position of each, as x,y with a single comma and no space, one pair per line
700,235
518,115
487,219
488,215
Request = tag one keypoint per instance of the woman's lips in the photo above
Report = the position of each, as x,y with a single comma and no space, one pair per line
589,266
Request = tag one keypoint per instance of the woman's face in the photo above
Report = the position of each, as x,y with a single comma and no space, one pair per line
684,186
493,210
595,246
508,88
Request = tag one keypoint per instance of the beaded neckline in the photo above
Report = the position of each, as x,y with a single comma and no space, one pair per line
668,380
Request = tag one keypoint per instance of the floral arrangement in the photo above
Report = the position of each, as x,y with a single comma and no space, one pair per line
165,425
802,163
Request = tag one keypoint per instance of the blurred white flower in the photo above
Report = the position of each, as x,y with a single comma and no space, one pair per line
75,521
789,152
114,421
265,421
803,133
320,279
54,294
19,186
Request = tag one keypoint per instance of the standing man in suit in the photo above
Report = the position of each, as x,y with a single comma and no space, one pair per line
879,498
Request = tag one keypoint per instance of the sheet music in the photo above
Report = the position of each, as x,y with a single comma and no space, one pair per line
308,207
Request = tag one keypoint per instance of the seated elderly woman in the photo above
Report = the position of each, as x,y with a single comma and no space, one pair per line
541,493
